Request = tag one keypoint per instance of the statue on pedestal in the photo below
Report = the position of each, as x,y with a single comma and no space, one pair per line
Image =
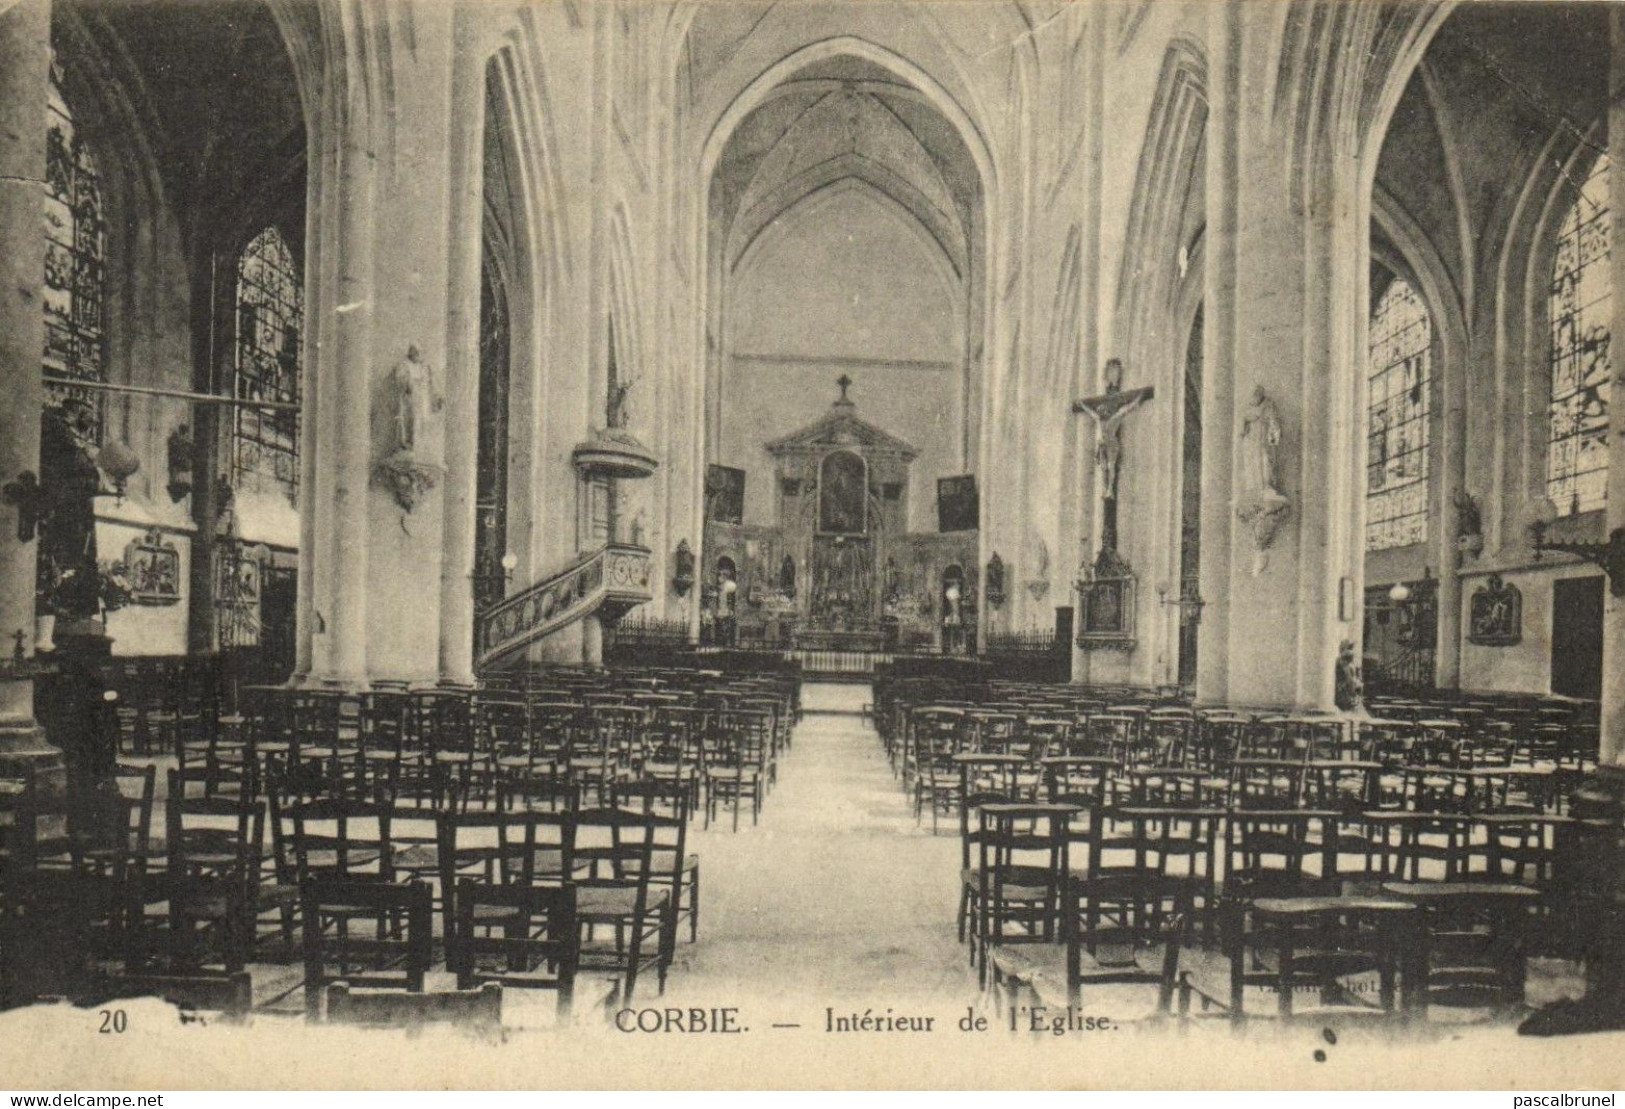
68,584
1348,693
412,465
1262,505
417,400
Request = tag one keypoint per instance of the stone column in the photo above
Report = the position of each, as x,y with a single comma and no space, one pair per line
463,366
25,59
1219,353
344,478
1286,264
378,269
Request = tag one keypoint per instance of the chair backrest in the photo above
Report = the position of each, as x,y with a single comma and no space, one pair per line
502,722
137,785
384,719
533,847
667,796
316,713
1274,853
1018,840
537,792
376,933
340,838
212,833
529,932
614,849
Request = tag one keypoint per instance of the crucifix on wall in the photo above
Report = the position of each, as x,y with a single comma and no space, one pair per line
1109,410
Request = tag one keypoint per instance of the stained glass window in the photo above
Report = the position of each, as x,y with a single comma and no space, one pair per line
1577,443
1399,387
270,316
75,262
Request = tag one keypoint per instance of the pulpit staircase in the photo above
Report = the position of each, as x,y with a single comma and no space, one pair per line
606,582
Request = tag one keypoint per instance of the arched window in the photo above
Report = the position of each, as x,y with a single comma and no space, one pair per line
1399,384
270,317
75,257
1581,311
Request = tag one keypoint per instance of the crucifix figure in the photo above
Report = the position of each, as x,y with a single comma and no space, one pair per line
1109,410
845,383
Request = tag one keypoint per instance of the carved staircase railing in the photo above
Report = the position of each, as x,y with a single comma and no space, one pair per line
607,581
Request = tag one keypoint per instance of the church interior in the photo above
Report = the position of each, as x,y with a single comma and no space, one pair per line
1102,505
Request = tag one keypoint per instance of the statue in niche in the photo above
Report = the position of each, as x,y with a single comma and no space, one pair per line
1038,584
418,400
1262,505
180,450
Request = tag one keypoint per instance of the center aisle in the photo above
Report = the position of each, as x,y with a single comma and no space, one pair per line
836,896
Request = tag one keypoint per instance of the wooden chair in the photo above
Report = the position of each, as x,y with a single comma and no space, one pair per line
1328,946
736,769
518,936
610,857
215,844
1021,862
676,870
397,951
1474,946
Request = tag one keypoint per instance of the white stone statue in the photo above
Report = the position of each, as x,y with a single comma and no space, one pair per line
1261,445
413,463
1262,504
418,401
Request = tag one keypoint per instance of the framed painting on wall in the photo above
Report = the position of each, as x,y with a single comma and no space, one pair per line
957,504
725,494
1495,614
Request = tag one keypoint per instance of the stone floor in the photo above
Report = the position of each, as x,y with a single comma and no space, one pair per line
836,896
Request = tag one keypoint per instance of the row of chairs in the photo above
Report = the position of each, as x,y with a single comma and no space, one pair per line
727,741
198,897
1288,918
1243,761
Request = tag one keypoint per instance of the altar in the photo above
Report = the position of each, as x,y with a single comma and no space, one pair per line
838,569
